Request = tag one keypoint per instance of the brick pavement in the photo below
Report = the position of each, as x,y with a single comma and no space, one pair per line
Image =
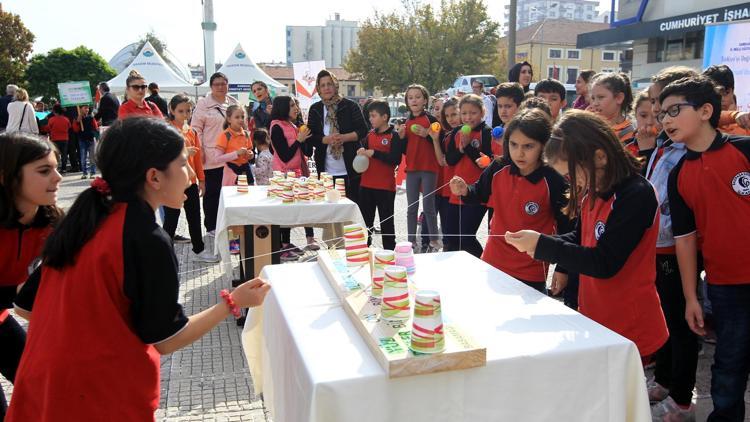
210,381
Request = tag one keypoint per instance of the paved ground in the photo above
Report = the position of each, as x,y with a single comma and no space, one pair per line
210,381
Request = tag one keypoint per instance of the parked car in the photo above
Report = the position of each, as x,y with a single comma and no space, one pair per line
462,84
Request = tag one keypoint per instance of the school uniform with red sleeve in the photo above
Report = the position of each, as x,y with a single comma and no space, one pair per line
533,202
448,227
469,216
614,249
709,195
22,246
90,351
377,189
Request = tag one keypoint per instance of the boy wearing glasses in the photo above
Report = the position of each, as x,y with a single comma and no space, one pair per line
671,389
709,193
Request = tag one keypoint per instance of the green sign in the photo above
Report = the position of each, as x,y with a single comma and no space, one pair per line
74,93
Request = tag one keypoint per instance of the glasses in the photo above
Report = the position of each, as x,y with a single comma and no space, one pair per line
138,87
673,111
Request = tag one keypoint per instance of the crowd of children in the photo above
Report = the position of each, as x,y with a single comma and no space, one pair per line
630,195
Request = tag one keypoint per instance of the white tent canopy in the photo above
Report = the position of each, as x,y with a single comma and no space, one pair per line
241,72
154,69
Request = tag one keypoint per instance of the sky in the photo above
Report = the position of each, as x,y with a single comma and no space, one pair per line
106,26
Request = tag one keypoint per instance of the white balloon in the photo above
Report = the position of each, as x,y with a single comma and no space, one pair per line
360,163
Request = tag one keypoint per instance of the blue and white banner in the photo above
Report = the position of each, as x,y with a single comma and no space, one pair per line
729,44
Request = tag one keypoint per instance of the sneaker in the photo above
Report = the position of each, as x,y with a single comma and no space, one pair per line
180,239
669,411
289,256
376,228
312,244
83,176
436,245
211,233
656,393
234,246
205,256
91,176
294,249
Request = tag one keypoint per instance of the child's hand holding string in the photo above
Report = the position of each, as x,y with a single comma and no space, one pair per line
459,186
559,282
251,293
524,241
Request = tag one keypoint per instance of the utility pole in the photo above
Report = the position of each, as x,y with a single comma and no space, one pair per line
209,27
513,11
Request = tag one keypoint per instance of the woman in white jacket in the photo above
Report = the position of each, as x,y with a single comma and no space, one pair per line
21,117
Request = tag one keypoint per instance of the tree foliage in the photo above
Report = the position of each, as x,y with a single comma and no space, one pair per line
59,65
159,45
421,45
17,43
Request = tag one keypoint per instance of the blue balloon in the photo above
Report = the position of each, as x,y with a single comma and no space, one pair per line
497,131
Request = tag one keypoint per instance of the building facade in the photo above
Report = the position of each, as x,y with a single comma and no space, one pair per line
330,43
550,47
658,34
530,12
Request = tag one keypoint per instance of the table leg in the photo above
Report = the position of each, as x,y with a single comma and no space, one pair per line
261,242
333,234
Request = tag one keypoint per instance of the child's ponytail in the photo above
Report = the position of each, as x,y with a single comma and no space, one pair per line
128,149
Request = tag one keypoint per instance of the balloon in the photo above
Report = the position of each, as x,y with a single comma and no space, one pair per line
497,131
361,163
415,127
466,129
483,161
303,128
435,127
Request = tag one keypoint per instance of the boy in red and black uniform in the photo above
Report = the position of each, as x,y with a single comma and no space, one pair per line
378,185
58,127
709,195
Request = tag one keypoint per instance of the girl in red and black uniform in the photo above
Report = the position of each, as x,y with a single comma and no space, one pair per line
28,193
612,99
378,186
103,305
421,164
524,193
644,142
464,152
614,244
450,118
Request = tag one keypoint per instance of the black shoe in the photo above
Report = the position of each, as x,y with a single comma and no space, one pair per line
180,239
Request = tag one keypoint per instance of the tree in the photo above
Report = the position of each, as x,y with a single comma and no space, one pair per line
418,45
159,45
59,65
15,48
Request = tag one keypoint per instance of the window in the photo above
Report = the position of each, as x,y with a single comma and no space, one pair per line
609,56
464,82
574,54
688,46
350,89
607,70
571,74
553,72
555,53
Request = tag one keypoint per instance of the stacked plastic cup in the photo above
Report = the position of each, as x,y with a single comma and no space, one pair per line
355,243
395,303
405,257
383,258
427,325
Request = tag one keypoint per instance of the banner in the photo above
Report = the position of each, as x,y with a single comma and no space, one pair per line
304,83
729,44
74,93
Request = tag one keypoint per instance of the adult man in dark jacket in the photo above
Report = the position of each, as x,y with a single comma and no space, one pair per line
109,105
160,102
10,92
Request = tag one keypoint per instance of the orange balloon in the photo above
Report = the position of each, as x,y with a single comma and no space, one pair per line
484,161
435,127
303,128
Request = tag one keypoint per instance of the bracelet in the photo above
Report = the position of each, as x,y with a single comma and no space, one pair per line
233,308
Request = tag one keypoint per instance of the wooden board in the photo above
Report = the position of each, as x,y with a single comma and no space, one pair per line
389,342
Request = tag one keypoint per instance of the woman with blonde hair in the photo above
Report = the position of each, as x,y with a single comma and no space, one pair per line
21,117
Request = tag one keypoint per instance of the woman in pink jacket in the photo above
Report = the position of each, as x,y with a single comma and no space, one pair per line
208,120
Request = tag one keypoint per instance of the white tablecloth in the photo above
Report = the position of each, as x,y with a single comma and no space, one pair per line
254,207
545,362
